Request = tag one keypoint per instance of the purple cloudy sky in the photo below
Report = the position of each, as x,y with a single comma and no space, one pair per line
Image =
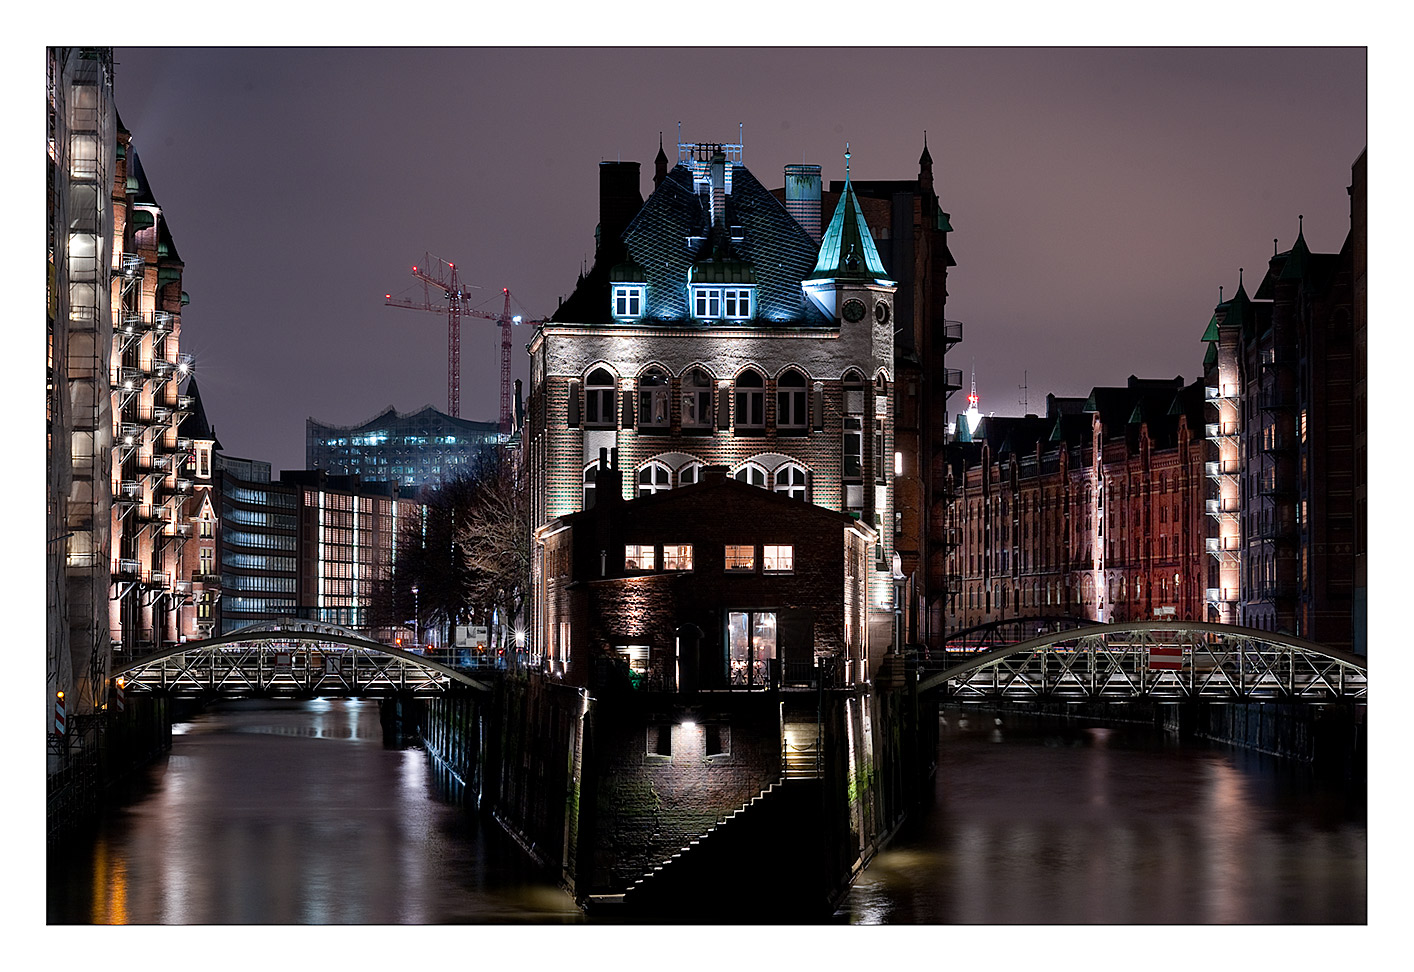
1099,197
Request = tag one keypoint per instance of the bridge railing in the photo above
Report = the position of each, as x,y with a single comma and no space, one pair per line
1197,661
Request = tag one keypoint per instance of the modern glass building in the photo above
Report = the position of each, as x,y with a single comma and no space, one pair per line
421,448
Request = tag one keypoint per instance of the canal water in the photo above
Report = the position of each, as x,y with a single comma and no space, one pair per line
296,813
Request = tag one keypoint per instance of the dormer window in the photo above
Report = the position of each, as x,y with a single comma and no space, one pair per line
716,303
628,300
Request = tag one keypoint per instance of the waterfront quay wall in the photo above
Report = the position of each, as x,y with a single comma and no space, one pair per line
101,752
605,788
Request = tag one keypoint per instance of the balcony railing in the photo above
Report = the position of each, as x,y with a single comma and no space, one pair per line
1220,393
952,379
1220,544
1220,430
1218,507
1221,595
1222,467
952,332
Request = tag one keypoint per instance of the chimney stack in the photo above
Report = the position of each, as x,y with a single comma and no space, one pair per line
719,188
619,199
803,197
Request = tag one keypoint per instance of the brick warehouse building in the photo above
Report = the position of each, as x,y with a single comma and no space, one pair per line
1284,373
714,327
717,631
1095,509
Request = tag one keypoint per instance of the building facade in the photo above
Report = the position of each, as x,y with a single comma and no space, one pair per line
122,489
419,448
1284,375
1094,510
712,329
307,545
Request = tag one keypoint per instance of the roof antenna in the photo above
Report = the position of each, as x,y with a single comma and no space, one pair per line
846,161
1274,246
1220,293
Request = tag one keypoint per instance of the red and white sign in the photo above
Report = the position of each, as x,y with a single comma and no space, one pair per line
59,720
1165,658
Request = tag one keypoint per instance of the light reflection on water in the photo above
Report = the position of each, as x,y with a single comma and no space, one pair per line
1114,827
296,813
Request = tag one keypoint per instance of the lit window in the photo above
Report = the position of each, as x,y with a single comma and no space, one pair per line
791,481
638,556
740,557
599,399
737,303
677,556
696,400
653,400
778,558
628,300
750,400
751,648
707,303
790,402
654,477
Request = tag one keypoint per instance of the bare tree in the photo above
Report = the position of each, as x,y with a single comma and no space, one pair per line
469,553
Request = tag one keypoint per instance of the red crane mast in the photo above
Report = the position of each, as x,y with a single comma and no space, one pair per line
443,276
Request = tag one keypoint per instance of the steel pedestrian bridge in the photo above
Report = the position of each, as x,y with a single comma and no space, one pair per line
1168,661
290,658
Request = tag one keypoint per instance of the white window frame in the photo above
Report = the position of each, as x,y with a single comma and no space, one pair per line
600,398
690,473
660,478
792,402
778,558
797,481
751,473
628,301
701,399
736,303
654,400
750,399
590,486
707,303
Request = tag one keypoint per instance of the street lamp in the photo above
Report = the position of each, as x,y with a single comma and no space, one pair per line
898,579
416,619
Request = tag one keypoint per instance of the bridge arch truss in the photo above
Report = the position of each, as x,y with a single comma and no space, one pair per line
1163,661
290,658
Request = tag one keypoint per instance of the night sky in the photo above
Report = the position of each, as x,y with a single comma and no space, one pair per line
1099,197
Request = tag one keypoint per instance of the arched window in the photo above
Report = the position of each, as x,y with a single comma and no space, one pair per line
654,477
791,480
696,400
750,400
750,472
653,400
690,473
590,471
790,402
599,399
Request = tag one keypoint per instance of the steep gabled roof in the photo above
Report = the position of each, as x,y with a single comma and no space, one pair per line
847,249
195,425
759,235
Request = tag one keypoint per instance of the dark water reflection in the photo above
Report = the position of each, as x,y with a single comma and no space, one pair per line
1039,826
296,813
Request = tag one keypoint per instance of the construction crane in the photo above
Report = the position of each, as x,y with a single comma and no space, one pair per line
455,297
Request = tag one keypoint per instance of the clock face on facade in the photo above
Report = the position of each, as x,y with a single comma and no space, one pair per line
881,312
853,310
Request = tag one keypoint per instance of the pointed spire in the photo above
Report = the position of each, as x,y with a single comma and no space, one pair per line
847,249
1300,255
925,166
660,164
